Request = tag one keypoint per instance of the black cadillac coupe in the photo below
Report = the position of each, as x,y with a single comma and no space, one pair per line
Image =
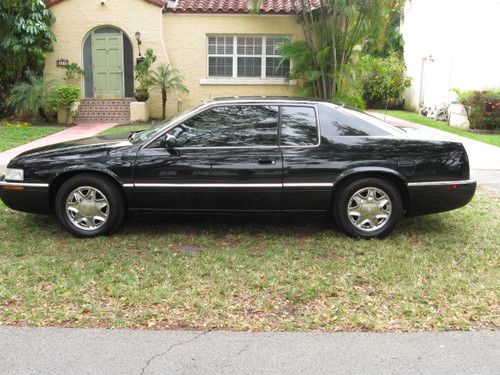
258,155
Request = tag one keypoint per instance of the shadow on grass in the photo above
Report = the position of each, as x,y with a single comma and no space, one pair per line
293,226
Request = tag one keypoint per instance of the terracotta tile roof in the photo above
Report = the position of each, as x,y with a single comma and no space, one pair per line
234,6
159,3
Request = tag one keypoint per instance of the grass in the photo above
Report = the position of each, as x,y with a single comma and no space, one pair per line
438,272
13,136
493,139
124,129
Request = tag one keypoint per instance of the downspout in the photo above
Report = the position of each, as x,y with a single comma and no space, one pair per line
421,96
164,46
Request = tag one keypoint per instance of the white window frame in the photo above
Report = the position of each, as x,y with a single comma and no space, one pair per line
235,79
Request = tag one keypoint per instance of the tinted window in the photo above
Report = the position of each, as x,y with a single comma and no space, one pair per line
298,126
337,123
230,126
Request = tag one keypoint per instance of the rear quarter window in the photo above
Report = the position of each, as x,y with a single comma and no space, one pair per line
336,123
299,126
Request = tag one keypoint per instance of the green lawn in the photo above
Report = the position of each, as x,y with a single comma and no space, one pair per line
13,136
493,139
125,129
438,272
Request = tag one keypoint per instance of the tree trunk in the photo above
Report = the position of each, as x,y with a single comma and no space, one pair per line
43,115
164,103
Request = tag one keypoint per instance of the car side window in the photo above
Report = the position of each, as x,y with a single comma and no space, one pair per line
230,126
337,124
299,126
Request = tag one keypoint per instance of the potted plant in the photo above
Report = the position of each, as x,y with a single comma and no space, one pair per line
143,75
63,101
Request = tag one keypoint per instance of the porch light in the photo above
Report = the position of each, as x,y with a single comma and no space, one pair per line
139,41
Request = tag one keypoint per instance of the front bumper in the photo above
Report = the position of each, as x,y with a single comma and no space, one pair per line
432,197
25,197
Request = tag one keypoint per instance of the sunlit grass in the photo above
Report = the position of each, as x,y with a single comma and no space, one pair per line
493,139
13,136
438,272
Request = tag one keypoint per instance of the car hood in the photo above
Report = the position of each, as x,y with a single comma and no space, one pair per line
90,144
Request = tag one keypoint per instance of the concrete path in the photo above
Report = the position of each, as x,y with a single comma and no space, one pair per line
484,158
74,132
80,351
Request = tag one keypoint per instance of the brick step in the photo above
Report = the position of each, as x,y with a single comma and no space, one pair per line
93,110
116,107
101,120
101,109
92,113
94,100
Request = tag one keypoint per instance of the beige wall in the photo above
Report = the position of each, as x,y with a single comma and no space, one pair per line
186,40
178,39
76,18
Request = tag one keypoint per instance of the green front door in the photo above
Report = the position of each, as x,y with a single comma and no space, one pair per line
107,59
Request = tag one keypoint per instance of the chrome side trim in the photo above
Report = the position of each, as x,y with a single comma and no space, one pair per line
440,183
208,185
23,184
263,185
308,184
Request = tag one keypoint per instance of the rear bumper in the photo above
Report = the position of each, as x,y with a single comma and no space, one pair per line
25,197
432,197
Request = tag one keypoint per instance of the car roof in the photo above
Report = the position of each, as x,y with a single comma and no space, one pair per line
296,99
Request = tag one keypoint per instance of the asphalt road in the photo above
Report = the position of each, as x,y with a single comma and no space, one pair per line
96,351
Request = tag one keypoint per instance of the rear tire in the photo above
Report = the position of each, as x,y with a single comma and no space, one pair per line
88,205
368,208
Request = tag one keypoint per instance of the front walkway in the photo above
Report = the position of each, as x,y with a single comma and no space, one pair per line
74,132
97,351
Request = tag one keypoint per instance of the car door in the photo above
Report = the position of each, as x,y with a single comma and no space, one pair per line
306,182
226,158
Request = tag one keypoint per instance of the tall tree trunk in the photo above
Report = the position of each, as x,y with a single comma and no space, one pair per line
164,103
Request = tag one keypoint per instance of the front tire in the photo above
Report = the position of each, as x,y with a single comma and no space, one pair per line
368,208
89,206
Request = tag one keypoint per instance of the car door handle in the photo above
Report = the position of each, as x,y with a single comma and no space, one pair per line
267,161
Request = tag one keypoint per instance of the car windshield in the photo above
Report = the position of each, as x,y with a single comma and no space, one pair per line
150,133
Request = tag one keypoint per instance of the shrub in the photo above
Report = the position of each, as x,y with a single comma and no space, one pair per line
483,109
64,97
382,80
73,73
463,96
31,98
142,69
350,100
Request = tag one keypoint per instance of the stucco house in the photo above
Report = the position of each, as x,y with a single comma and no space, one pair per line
450,44
220,47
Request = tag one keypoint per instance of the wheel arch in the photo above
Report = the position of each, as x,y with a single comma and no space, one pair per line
64,176
390,175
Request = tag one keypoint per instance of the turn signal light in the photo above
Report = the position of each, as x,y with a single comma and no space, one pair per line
13,187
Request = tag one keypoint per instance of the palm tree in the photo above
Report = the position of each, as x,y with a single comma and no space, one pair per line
166,79
32,97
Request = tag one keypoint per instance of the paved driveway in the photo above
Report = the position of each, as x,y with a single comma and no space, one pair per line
96,351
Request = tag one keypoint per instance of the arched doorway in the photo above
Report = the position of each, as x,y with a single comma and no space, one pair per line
108,63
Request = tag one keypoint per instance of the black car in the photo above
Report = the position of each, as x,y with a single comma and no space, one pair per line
259,155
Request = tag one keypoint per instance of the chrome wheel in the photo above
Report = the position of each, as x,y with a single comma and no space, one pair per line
369,209
87,208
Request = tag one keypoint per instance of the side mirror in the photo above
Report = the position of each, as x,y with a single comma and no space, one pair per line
169,142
